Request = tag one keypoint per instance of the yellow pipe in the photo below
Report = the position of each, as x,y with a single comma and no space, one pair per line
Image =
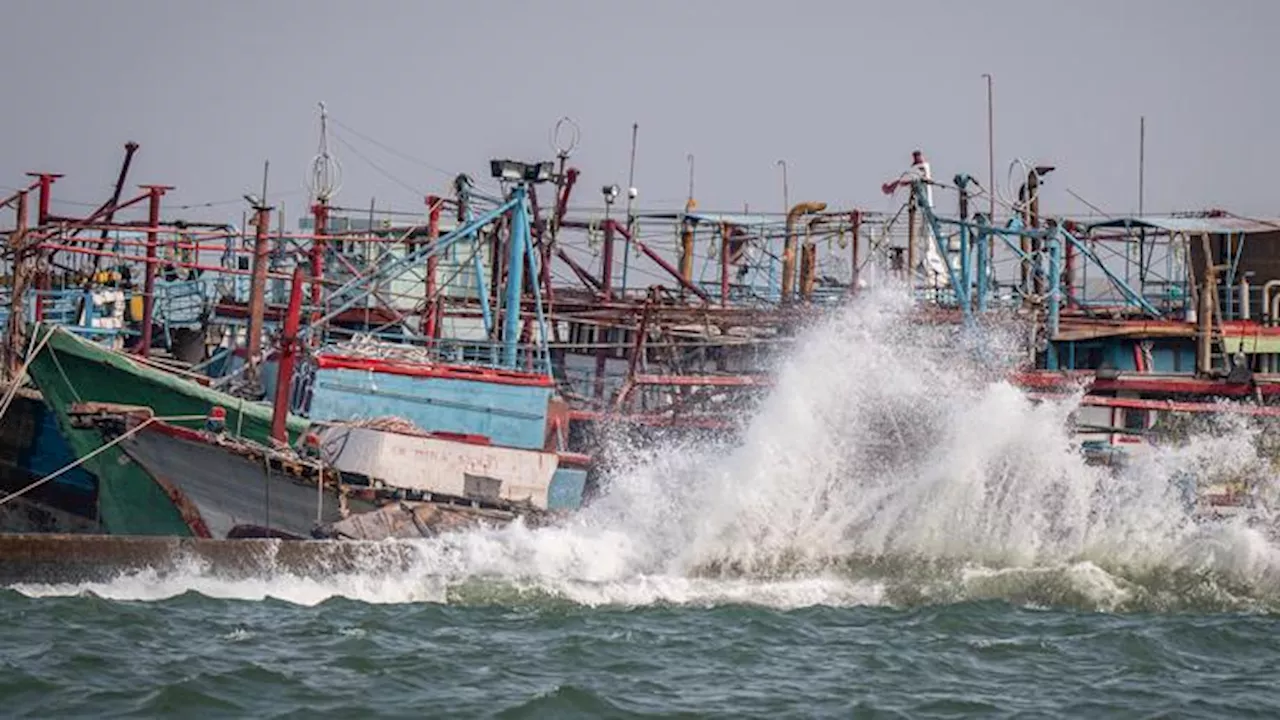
789,248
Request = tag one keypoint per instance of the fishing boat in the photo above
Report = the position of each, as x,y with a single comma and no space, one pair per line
71,371
463,430
1188,318
214,484
492,437
144,434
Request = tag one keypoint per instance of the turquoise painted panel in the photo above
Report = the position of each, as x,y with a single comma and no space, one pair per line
509,415
1173,358
566,489
1121,356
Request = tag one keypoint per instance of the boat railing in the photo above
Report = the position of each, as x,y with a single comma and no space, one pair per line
477,353
181,303
94,313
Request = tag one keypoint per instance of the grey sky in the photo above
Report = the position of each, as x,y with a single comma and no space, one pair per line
842,90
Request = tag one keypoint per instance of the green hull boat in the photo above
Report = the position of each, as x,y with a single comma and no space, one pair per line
69,370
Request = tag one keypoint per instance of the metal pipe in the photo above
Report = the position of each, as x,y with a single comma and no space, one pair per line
258,289
1055,291
149,284
1266,300
637,349
855,223
562,203
631,197
1033,221
724,265
1245,310
482,291
1069,270
515,276
288,355
665,265
983,242
606,261
911,242
543,353
789,248
539,262
431,306
962,292
606,287
18,289
808,270
686,249
991,156
497,264
320,214
129,149
1204,353
45,181
72,249
602,355
586,277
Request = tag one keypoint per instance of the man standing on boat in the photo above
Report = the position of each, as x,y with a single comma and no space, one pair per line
935,268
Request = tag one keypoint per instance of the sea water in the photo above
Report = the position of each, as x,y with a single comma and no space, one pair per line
894,532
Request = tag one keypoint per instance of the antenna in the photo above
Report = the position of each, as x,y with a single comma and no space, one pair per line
565,136
266,168
631,173
1142,158
631,198
325,176
688,205
786,190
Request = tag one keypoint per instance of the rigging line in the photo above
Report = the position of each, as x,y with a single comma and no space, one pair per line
398,153
377,167
22,371
391,150
220,203
1089,205
55,201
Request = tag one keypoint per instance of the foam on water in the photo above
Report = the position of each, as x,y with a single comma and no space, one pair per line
886,466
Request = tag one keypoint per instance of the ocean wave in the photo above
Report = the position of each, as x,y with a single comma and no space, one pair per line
890,465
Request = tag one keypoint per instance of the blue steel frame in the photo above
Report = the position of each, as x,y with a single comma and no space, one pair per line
1054,238
520,246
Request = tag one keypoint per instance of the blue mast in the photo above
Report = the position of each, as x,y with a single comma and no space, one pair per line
515,274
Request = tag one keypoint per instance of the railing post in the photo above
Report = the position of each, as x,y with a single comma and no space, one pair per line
149,283
288,358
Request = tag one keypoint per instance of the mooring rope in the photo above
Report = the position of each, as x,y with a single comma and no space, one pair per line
22,371
72,465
